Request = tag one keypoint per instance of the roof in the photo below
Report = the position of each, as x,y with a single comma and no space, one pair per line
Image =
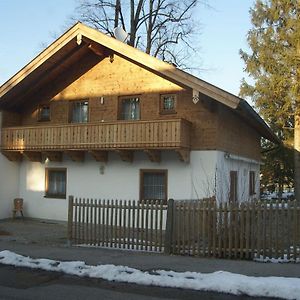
79,39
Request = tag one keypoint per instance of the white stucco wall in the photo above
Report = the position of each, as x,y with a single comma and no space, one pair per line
9,184
227,163
119,181
207,174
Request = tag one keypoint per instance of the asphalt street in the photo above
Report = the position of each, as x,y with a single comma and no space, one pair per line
40,239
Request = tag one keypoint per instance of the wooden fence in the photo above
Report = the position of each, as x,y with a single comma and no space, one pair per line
117,223
246,230
199,228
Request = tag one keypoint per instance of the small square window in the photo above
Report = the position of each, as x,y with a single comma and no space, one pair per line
168,104
56,183
44,112
153,185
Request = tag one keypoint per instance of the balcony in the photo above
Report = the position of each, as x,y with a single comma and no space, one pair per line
124,137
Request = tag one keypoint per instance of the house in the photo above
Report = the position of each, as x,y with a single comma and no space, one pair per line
93,117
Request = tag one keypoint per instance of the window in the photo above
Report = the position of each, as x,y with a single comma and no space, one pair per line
153,185
251,183
56,183
129,108
79,112
233,186
167,104
44,112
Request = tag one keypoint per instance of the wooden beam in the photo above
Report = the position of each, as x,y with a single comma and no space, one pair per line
99,155
154,155
98,49
12,155
51,74
126,155
184,155
53,155
34,156
76,155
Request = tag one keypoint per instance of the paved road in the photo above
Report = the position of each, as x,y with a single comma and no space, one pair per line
26,284
40,239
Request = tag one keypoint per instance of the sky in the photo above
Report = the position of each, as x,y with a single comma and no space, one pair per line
26,27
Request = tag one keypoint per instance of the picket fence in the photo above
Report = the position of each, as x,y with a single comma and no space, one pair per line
236,230
123,224
198,228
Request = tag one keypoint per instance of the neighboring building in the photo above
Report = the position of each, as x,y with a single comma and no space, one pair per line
93,117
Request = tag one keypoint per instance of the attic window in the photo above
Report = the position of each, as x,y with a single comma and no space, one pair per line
44,112
168,104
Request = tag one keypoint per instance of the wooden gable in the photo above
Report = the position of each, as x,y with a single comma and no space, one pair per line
58,72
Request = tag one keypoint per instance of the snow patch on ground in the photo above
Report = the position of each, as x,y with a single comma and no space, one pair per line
283,259
224,282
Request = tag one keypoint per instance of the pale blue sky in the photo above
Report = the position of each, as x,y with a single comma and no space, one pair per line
25,27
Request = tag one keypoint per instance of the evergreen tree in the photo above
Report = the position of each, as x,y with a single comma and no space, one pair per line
274,64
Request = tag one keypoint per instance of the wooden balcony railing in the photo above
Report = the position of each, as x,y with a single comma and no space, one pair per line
132,135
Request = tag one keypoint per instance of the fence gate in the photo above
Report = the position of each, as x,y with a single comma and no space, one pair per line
138,225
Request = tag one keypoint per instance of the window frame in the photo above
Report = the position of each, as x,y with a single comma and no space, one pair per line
120,107
252,183
39,112
47,175
233,187
164,111
71,107
154,171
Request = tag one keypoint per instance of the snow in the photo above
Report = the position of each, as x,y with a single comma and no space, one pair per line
225,282
283,259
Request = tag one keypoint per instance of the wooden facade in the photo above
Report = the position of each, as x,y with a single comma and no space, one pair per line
201,126
102,73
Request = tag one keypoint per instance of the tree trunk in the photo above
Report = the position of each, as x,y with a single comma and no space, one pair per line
117,10
297,155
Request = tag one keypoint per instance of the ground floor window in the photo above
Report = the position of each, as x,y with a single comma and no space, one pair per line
56,181
233,186
251,183
153,185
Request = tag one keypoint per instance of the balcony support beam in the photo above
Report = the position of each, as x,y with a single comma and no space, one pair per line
53,155
101,156
34,156
184,155
76,155
12,155
154,155
126,155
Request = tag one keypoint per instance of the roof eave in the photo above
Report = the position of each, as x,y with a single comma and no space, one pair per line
265,130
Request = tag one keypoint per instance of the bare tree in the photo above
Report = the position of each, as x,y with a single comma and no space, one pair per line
163,28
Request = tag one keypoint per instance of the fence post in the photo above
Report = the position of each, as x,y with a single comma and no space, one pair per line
169,227
70,221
